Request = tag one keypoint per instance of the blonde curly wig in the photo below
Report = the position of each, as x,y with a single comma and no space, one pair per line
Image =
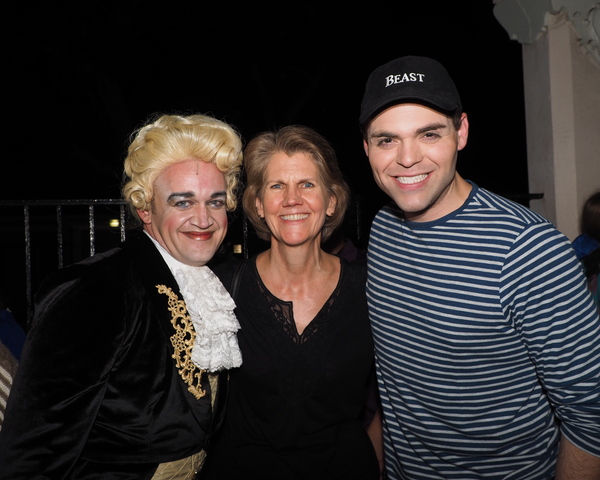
172,138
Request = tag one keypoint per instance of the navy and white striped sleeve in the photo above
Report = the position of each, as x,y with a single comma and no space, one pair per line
544,292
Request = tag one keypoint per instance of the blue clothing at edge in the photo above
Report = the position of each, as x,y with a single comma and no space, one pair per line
11,333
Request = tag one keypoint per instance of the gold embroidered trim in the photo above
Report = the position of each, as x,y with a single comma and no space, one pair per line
183,341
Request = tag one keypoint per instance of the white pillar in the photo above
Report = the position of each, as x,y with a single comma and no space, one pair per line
562,105
561,64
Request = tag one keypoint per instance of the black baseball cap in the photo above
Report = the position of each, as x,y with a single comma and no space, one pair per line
409,79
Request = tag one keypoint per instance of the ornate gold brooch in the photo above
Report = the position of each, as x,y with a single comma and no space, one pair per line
183,341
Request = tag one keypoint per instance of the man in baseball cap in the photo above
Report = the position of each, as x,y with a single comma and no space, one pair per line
487,338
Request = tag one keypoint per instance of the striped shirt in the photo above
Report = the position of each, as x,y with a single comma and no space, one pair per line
483,327
8,369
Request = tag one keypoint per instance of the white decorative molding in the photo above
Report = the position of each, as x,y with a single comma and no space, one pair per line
526,20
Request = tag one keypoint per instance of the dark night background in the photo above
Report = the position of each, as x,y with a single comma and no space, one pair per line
80,77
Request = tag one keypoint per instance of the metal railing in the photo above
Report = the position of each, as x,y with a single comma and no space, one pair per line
42,236
52,219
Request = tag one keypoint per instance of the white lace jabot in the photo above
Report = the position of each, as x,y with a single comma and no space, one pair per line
211,309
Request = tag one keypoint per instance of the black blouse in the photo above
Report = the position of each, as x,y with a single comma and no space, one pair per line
294,410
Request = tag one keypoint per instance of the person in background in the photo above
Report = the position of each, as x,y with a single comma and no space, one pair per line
123,374
295,405
487,341
342,245
587,244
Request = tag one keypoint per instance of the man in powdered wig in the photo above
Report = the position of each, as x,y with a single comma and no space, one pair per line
124,371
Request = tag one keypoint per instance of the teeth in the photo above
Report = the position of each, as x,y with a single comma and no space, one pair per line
298,216
410,180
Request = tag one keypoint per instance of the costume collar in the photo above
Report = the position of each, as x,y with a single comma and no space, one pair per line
211,309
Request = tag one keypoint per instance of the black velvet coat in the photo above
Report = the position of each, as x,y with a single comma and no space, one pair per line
98,394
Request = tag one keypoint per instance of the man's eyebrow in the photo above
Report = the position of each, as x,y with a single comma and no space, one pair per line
382,133
175,195
431,127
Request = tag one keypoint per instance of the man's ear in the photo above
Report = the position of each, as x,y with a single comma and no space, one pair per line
366,147
463,131
145,216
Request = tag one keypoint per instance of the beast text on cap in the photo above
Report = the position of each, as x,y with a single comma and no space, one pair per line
404,77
